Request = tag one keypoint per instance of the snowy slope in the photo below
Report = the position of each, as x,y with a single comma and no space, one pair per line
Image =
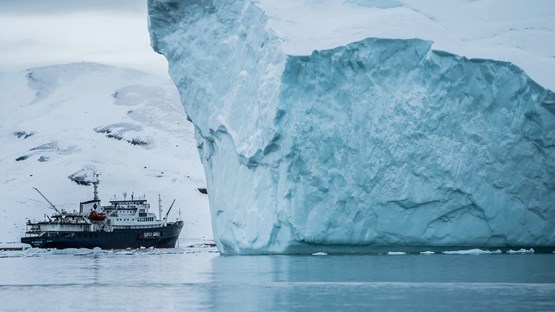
77,118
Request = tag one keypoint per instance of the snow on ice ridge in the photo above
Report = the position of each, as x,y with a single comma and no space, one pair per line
382,142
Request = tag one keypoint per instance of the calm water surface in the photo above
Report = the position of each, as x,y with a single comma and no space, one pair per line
189,279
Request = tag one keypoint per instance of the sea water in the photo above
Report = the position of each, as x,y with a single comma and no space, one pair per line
197,278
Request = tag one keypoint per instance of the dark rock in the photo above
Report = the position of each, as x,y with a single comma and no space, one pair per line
22,157
23,134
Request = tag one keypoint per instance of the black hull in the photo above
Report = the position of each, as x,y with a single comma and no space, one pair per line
159,237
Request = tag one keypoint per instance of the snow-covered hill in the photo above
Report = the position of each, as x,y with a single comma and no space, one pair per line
70,120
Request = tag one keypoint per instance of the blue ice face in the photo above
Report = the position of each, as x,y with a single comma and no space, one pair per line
396,144
378,143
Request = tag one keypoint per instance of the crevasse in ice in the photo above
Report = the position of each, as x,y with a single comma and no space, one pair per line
381,143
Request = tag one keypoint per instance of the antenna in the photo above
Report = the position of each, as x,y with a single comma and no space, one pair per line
51,204
159,207
95,185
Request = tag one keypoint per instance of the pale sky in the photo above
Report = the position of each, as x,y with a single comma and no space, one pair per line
46,32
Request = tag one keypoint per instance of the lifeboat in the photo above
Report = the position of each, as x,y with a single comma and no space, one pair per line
98,216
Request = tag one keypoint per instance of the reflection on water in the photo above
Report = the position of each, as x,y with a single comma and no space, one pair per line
188,279
410,282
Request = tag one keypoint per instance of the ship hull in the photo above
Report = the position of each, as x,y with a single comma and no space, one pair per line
158,237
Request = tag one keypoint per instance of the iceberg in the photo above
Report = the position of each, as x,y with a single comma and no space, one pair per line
376,145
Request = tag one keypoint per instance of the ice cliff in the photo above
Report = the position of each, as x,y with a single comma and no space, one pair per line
373,145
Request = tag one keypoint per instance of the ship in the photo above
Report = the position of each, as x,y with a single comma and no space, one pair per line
125,223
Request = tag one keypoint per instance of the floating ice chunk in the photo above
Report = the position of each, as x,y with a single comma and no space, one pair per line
427,253
319,254
521,251
396,253
472,252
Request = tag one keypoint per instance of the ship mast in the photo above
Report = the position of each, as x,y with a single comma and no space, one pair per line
159,207
95,185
